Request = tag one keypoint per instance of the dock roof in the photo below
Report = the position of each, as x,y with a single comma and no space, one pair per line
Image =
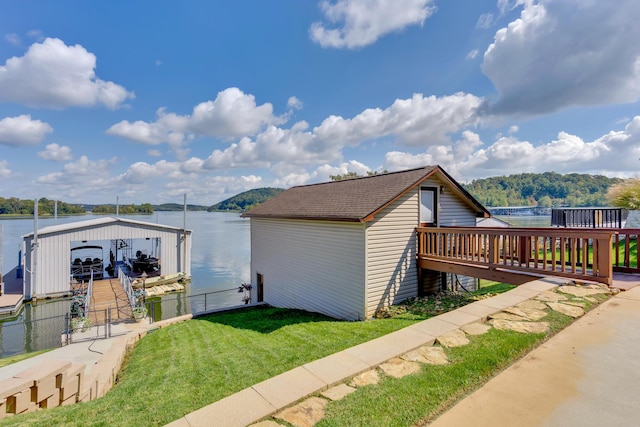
98,222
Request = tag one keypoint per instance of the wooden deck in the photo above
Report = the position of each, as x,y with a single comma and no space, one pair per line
515,255
109,295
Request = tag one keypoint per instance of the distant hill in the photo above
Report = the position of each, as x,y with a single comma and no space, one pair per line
542,189
179,207
244,201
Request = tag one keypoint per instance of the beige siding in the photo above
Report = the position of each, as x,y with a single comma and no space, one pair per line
452,211
391,254
316,266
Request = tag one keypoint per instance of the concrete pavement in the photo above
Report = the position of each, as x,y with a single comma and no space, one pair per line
586,375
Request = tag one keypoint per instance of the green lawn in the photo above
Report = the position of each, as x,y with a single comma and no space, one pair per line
13,359
181,368
418,399
633,254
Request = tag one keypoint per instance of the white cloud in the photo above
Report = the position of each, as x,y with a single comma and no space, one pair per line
417,121
54,75
358,23
83,180
615,154
294,103
5,172
473,54
154,153
23,131
232,114
563,53
13,38
56,153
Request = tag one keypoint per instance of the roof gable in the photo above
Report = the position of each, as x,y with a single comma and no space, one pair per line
98,222
356,199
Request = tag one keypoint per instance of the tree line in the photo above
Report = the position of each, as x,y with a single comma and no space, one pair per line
546,190
145,208
15,206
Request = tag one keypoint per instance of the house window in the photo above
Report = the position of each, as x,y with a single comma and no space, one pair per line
428,206
260,286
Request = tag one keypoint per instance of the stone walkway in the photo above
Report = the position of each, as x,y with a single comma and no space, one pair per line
588,375
299,396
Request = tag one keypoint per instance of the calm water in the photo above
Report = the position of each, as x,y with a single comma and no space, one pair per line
220,260
220,252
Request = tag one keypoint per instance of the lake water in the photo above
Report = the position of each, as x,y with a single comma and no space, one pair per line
220,252
220,263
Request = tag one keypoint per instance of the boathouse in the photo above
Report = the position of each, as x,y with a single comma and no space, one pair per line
47,265
348,248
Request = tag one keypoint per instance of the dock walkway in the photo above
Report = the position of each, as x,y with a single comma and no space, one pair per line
108,294
11,299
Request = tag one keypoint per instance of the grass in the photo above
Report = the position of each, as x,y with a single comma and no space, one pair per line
181,368
397,402
18,357
622,258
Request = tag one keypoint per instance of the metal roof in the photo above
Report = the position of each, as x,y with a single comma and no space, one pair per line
101,221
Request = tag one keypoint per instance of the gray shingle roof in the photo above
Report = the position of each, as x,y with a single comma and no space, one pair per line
347,200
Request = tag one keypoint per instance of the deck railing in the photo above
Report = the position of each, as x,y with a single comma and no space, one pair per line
572,253
587,217
625,250
128,288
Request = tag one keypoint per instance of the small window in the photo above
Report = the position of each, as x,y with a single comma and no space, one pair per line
428,206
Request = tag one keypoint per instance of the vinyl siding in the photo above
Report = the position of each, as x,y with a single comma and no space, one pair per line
316,266
54,252
391,252
452,211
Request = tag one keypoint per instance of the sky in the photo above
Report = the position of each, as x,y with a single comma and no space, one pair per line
144,102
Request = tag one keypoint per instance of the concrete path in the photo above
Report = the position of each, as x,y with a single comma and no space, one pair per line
587,375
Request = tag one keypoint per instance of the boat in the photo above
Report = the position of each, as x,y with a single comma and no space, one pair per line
165,279
143,263
87,262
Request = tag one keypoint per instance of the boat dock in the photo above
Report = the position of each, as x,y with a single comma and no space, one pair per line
11,298
108,294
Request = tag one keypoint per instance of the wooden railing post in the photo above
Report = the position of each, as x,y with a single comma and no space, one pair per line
603,266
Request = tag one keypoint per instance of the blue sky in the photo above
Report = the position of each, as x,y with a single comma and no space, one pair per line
147,101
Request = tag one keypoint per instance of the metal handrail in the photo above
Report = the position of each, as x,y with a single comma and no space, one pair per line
128,288
87,300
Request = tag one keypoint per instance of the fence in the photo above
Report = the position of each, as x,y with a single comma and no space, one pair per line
178,304
19,336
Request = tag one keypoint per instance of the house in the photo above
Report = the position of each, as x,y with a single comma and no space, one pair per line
348,248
